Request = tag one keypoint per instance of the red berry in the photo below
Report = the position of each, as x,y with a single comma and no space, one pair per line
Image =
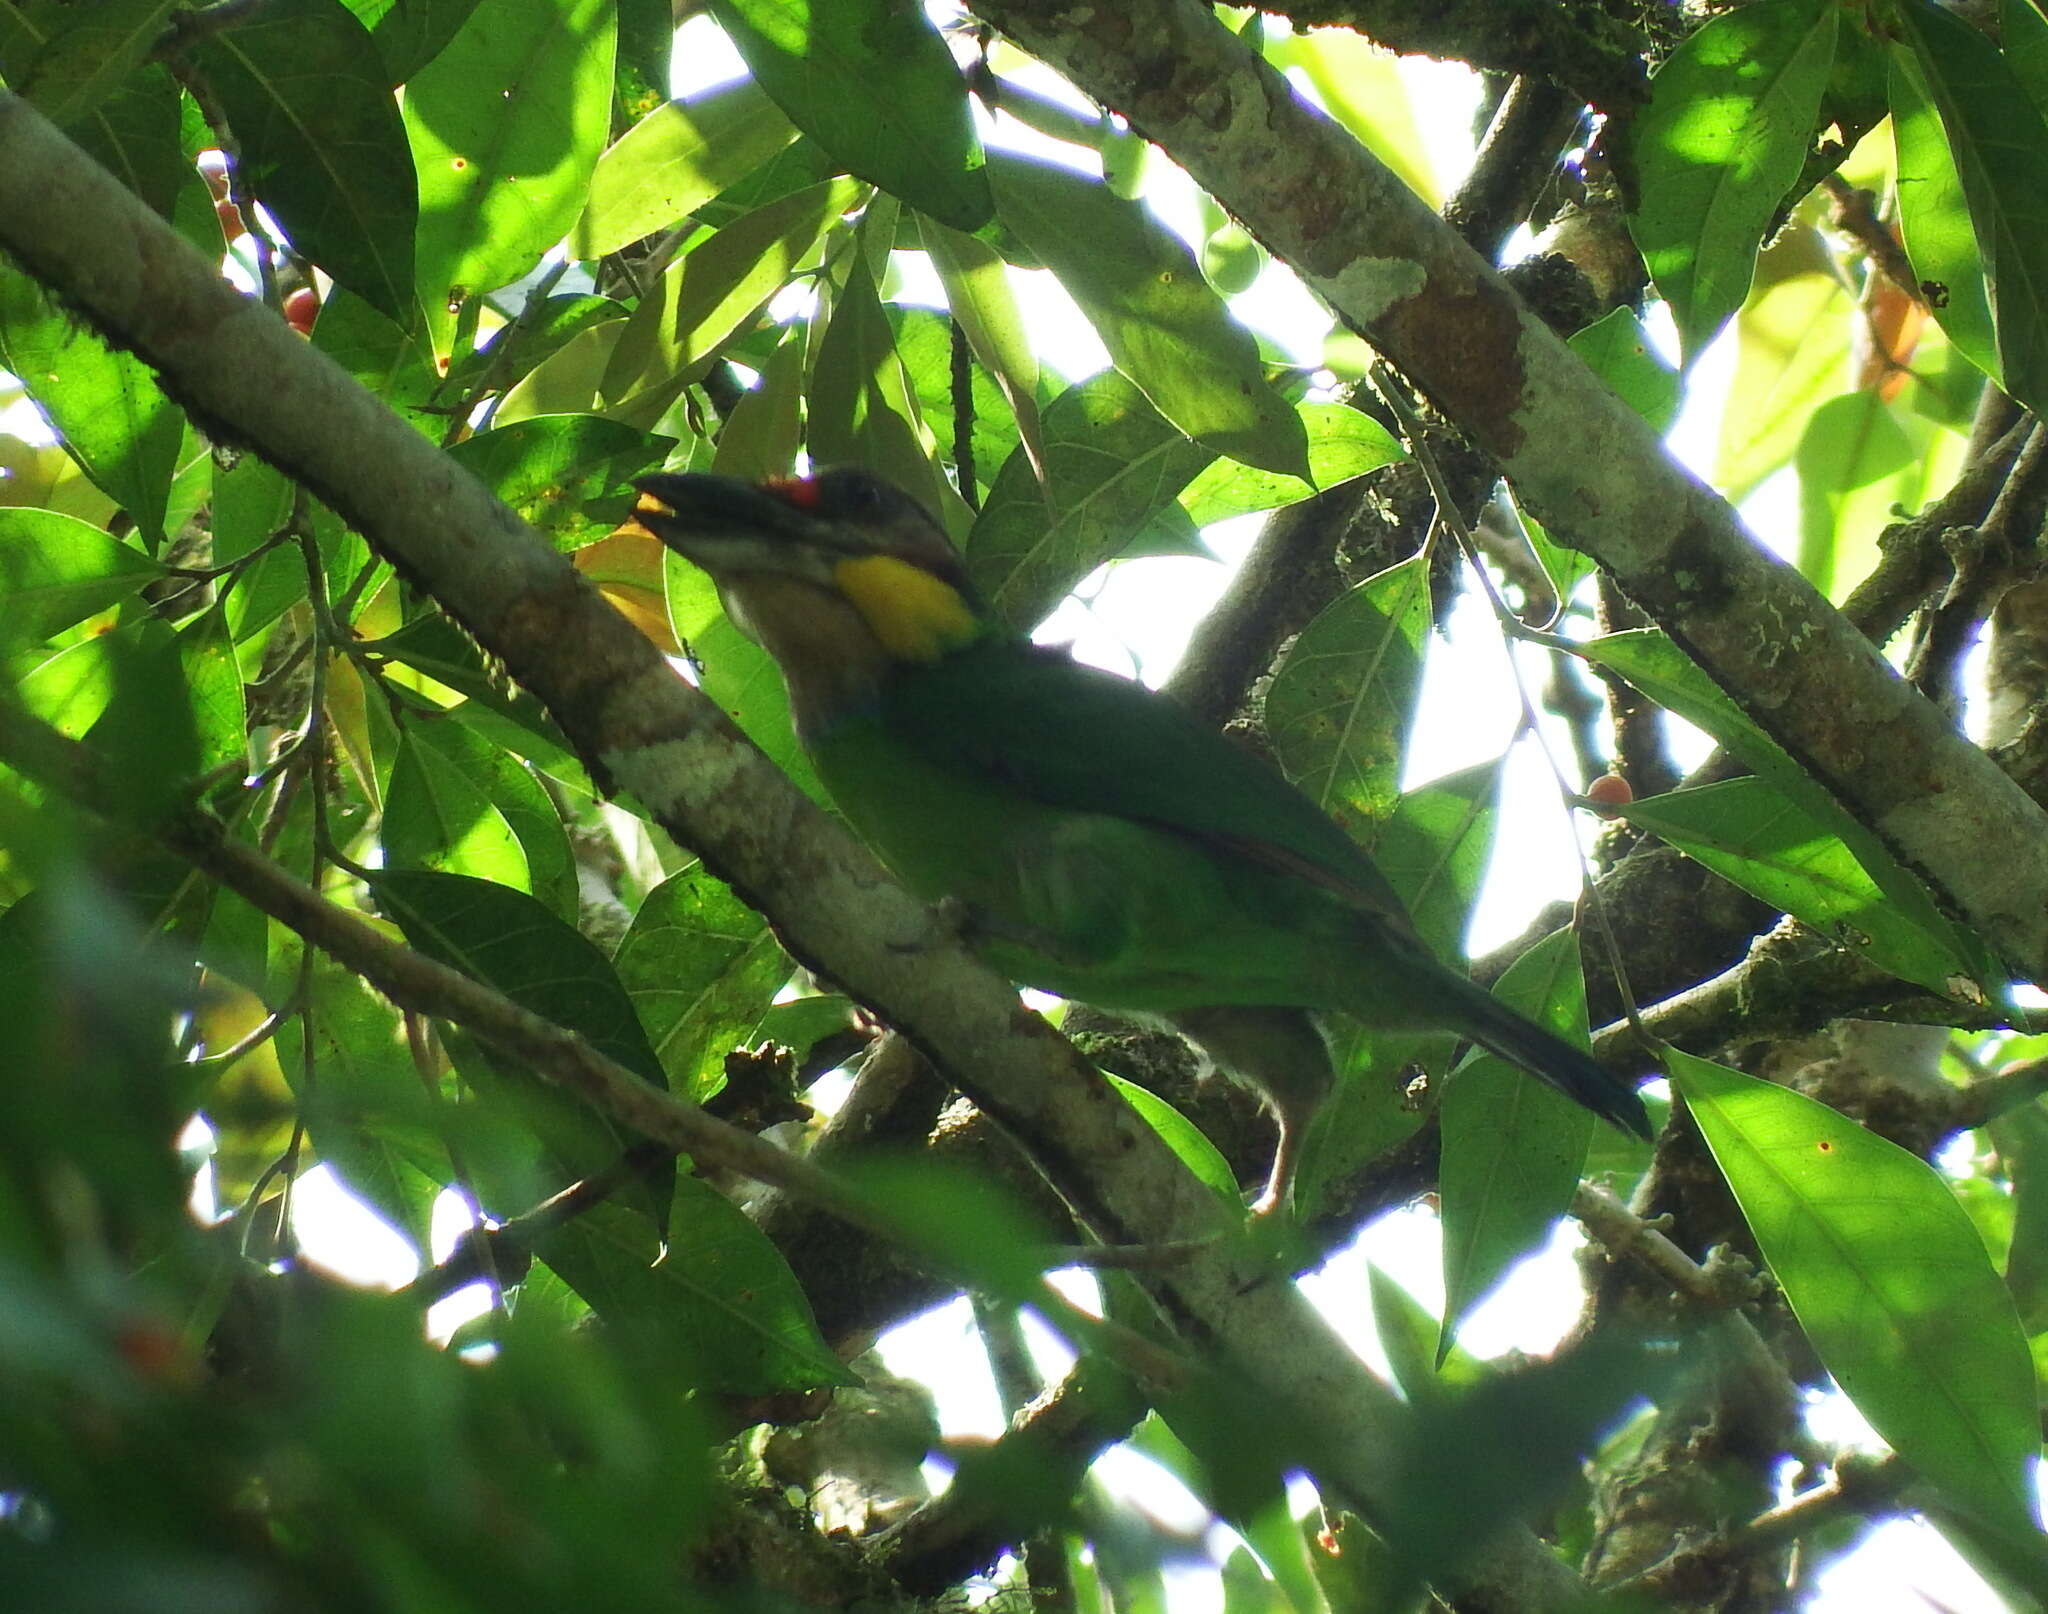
1608,793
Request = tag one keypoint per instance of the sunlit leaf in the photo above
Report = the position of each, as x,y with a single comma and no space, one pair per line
1889,1280
875,85
675,160
1164,327
1731,114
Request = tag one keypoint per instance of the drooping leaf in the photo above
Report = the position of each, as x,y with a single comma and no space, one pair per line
506,124
1342,443
1934,219
714,1301
1617,350
86,58
979,295
322,145
874,84
1181,1135
565,474
435,817
1747,832
1850,458
1999,142
705,294
1164,327
675,160
1653,664
1889,1280
105,405
1731,114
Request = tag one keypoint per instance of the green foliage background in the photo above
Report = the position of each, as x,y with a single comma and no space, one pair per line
566,279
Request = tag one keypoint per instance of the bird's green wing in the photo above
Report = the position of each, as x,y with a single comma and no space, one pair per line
1077,737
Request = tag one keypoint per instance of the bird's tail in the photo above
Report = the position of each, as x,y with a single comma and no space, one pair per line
1520,1041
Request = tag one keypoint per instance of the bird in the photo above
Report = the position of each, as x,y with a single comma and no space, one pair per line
1098,841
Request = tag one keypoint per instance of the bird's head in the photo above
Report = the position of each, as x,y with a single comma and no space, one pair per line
814,566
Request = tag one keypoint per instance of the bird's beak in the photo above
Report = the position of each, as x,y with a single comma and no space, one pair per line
721,523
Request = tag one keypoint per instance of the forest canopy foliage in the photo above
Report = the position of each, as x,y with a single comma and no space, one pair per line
367,801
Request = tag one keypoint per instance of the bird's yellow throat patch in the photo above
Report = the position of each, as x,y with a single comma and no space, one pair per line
914,615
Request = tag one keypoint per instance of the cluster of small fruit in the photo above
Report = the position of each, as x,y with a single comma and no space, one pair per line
302,302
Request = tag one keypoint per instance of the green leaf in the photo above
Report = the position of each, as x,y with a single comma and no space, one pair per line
87,60
1934,219
563,473
1342,443
744,681
1888,1278
863,409
1853,445
2000,146
1505,1449
673,161
395,363
542,330
979,297
1409,1333
436,818
2021,1137
924,342
1187,1141
1653,664
873,83
1513,1147
321,142
133,134
701,967
106,406
507,940
2023,31
368,1114
512,789
506,124
1434,847
436,647
1792,354
1721,144
1142,290
411,33
55,572
714,1303
1617,350
1564,566
1747,832
1343,697
764,432
1113,467
703,296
